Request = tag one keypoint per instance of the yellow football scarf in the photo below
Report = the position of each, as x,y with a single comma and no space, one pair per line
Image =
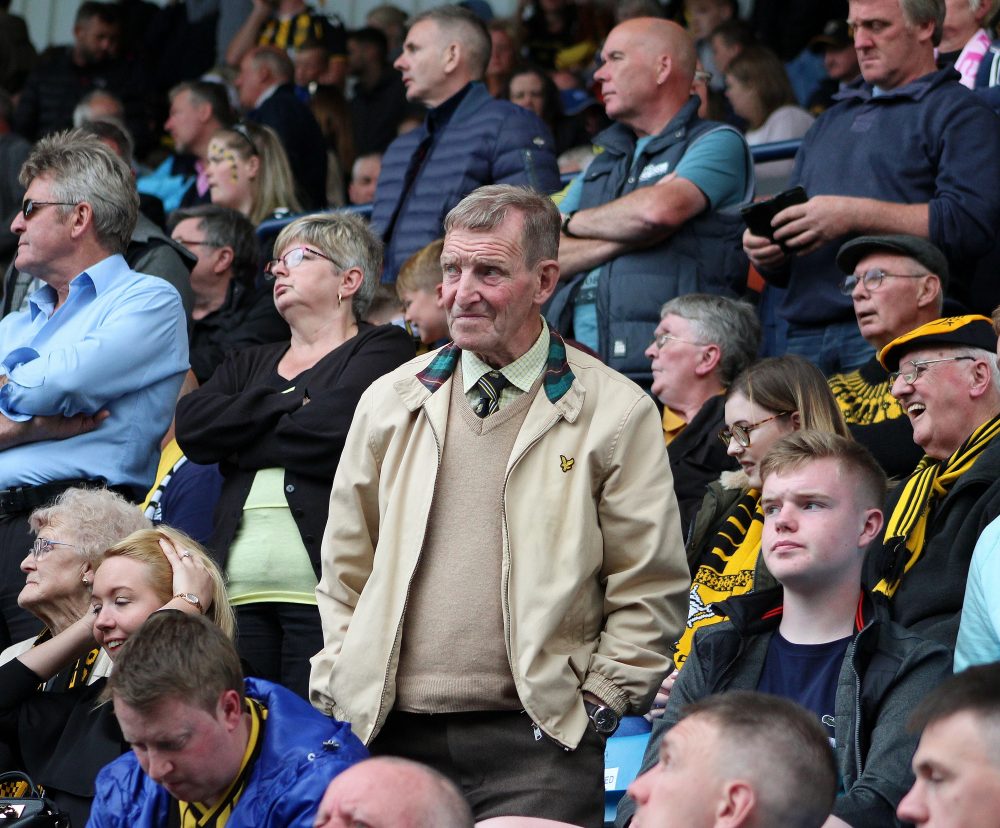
862,402
201,815
922,490
729,571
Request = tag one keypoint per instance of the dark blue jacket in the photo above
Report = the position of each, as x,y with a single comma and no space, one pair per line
930,141
704,256
302,139
302,751
486,141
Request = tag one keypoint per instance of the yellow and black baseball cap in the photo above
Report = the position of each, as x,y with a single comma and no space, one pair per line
972,331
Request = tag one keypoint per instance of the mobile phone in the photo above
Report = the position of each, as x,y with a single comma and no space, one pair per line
758,214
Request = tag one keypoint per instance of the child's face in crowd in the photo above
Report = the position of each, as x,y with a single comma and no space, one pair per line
422,309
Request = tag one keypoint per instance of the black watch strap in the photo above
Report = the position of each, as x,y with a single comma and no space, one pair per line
565,225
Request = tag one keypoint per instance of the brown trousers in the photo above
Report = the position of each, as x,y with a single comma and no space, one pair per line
503,764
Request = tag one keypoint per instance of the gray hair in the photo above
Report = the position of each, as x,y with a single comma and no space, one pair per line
98,519
460,24
111,129
214,94
83,111
488,207
718,320
348,240
989,357
81,169
919,12
275,60
225,227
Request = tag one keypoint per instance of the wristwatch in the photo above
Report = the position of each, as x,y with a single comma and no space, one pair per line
567,218
604,719
191,598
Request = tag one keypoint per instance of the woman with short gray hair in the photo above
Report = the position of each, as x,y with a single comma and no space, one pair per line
72,534
275,418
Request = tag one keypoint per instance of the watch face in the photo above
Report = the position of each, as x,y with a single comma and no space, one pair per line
605,720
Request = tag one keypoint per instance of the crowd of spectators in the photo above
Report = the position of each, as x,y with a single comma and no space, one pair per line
335,422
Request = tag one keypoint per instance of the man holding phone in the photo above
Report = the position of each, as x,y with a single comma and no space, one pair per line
903,151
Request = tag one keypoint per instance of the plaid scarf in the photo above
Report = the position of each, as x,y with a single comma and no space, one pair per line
922,490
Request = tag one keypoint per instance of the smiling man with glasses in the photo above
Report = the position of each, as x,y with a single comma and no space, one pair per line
896,283
946,379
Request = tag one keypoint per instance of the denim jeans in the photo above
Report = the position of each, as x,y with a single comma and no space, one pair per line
833,348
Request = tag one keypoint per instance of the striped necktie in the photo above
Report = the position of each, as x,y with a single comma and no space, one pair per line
490,385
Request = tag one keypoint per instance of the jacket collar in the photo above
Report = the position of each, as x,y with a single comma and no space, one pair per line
621,140
861,90
556,382
760,612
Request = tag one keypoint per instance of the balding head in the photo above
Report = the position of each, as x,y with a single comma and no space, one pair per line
648,67
420,797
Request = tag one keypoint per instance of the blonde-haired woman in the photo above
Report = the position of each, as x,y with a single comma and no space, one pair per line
248,171
64,738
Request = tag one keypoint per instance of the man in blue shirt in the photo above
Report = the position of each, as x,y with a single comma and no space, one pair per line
96,360
653,217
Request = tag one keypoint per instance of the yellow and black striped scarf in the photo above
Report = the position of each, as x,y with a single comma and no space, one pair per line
201,815
726,571
922,490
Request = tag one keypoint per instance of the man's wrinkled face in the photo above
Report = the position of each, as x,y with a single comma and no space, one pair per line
937,400
893,308
891,52
628,73
491,297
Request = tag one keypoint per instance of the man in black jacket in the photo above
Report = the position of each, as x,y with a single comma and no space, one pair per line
268,95
816,639
700,345
946,379
230,312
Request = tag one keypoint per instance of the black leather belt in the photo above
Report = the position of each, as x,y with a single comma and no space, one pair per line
22,499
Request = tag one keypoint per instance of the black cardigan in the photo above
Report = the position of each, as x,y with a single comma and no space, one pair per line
243,421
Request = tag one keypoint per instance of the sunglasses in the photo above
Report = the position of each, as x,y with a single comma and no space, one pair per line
29,205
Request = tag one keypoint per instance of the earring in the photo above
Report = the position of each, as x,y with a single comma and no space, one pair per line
340,299
85,581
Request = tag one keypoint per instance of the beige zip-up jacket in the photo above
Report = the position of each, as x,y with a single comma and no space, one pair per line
594,579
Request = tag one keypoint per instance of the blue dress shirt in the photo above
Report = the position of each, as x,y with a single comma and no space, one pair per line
118,342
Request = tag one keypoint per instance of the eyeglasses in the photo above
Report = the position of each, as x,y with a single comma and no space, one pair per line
872,279
293,258
919,366
42,546
741,433
700,76
30,205
244,133
663,338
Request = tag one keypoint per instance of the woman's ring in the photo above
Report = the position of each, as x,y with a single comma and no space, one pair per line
185,554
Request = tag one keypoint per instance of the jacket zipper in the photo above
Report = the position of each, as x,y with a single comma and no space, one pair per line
379,719
506,584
